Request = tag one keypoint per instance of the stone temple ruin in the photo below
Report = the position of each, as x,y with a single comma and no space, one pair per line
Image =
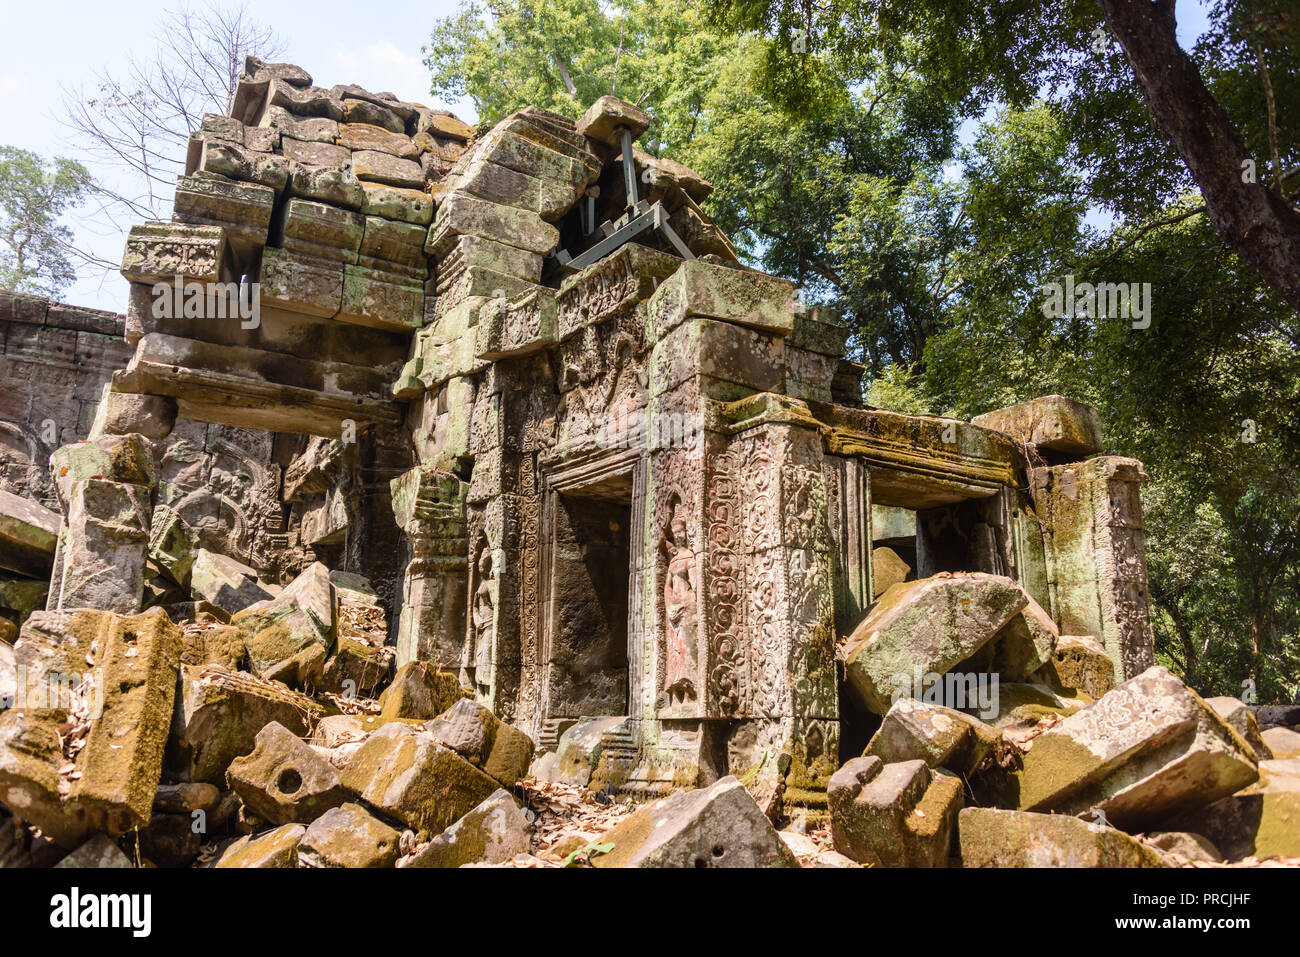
512,399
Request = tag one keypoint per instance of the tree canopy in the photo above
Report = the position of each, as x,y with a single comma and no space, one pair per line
34,246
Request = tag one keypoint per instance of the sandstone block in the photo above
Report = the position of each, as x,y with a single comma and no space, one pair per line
484,740
893,815
408,774
109,680
493,832
1080,664
716,826
1146,751
604,117
230,585
348,836
990,837
290,636
420,691
1260,820
933,625
283,781
275,848
1051,422
219,715
28,534
941,737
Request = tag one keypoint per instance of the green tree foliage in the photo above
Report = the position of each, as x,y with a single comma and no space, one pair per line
34,245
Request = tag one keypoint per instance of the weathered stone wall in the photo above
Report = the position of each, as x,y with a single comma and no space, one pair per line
56,359
226,482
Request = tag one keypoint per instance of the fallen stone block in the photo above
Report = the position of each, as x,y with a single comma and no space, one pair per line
419,690
290,637
284,781
484,740
927,627
186,798
1185,844
990,837
28,534
887,570
106,682
409,775
1280,743
337,729
357,669
1021,708
1146,751
353,588
810,854
100,851
1023,646
1260,820
493,832
226,583
941,737
220,713
1238,716
1051,422
213,644
102,552
348,836
22,596
274,848
1079,664
893,815
171,840
577,753
173,545
716,826
1277,716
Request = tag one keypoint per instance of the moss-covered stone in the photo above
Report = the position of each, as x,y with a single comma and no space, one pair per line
717,826
114,676
493,832
419,690
989,837
349,836
274,848
409,775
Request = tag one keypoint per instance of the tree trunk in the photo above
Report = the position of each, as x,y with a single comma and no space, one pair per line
1257,224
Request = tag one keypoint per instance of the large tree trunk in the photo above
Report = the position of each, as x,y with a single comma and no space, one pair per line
1257,224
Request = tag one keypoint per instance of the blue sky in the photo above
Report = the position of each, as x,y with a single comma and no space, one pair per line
48,46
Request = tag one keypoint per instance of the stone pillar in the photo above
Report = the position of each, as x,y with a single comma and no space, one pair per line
738,536
105,486
429,506
848,501
1096,555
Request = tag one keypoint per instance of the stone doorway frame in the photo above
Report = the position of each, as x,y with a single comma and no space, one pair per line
574,478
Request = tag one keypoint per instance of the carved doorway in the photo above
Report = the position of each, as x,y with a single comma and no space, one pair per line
589,621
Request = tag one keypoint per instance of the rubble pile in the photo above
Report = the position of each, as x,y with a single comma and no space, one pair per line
459,499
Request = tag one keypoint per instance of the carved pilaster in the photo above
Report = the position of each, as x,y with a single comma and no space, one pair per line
429,506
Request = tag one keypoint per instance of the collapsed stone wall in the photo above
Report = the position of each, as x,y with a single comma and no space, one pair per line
239,489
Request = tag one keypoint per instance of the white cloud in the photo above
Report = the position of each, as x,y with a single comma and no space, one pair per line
384,67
